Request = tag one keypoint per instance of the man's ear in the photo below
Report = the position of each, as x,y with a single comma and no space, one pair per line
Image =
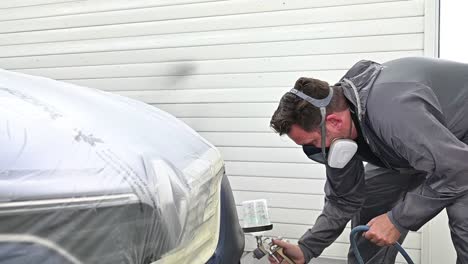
334,121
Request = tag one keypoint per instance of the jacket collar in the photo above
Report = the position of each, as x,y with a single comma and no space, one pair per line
357,83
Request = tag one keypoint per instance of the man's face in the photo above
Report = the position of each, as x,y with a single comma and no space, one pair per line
302,137
338,125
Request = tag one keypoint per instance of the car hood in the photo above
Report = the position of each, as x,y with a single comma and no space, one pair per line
66,147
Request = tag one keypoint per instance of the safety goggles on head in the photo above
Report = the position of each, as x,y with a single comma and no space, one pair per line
341,151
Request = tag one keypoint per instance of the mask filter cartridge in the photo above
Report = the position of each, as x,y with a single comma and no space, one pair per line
341,152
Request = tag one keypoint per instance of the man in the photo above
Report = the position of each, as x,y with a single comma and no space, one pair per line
408,119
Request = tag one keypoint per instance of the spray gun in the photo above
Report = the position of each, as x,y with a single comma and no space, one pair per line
256,222
265,246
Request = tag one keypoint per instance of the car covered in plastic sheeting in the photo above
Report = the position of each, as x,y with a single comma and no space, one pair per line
92,177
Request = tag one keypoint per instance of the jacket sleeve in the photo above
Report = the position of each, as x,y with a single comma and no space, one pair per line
344,190
411,121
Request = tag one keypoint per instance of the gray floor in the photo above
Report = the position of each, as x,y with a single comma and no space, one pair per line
248,259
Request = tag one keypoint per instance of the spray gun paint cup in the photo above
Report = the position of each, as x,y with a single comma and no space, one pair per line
255,216
257,221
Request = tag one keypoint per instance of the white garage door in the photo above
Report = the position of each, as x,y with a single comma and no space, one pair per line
221,66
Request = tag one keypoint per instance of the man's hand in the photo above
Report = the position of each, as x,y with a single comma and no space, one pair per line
294,252
382,231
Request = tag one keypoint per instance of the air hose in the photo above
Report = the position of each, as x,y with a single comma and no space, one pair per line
363,228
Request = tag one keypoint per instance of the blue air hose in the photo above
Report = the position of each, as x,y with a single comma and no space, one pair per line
363,228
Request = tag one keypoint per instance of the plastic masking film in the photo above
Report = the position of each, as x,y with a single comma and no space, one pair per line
92,177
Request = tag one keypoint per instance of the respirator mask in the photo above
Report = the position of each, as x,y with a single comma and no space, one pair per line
341,150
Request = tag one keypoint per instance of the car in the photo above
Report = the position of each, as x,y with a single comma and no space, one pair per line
88,176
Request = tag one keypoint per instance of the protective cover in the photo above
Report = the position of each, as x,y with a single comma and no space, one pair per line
92,177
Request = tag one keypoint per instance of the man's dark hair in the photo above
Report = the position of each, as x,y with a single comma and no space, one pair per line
294,110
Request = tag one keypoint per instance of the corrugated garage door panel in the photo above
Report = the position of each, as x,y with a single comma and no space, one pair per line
259,13
7,6
220,66
131,51
254,65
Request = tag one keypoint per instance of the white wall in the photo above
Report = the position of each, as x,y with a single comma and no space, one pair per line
221,66
453,41
436,239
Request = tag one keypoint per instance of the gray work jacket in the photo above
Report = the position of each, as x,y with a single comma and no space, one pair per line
413,113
